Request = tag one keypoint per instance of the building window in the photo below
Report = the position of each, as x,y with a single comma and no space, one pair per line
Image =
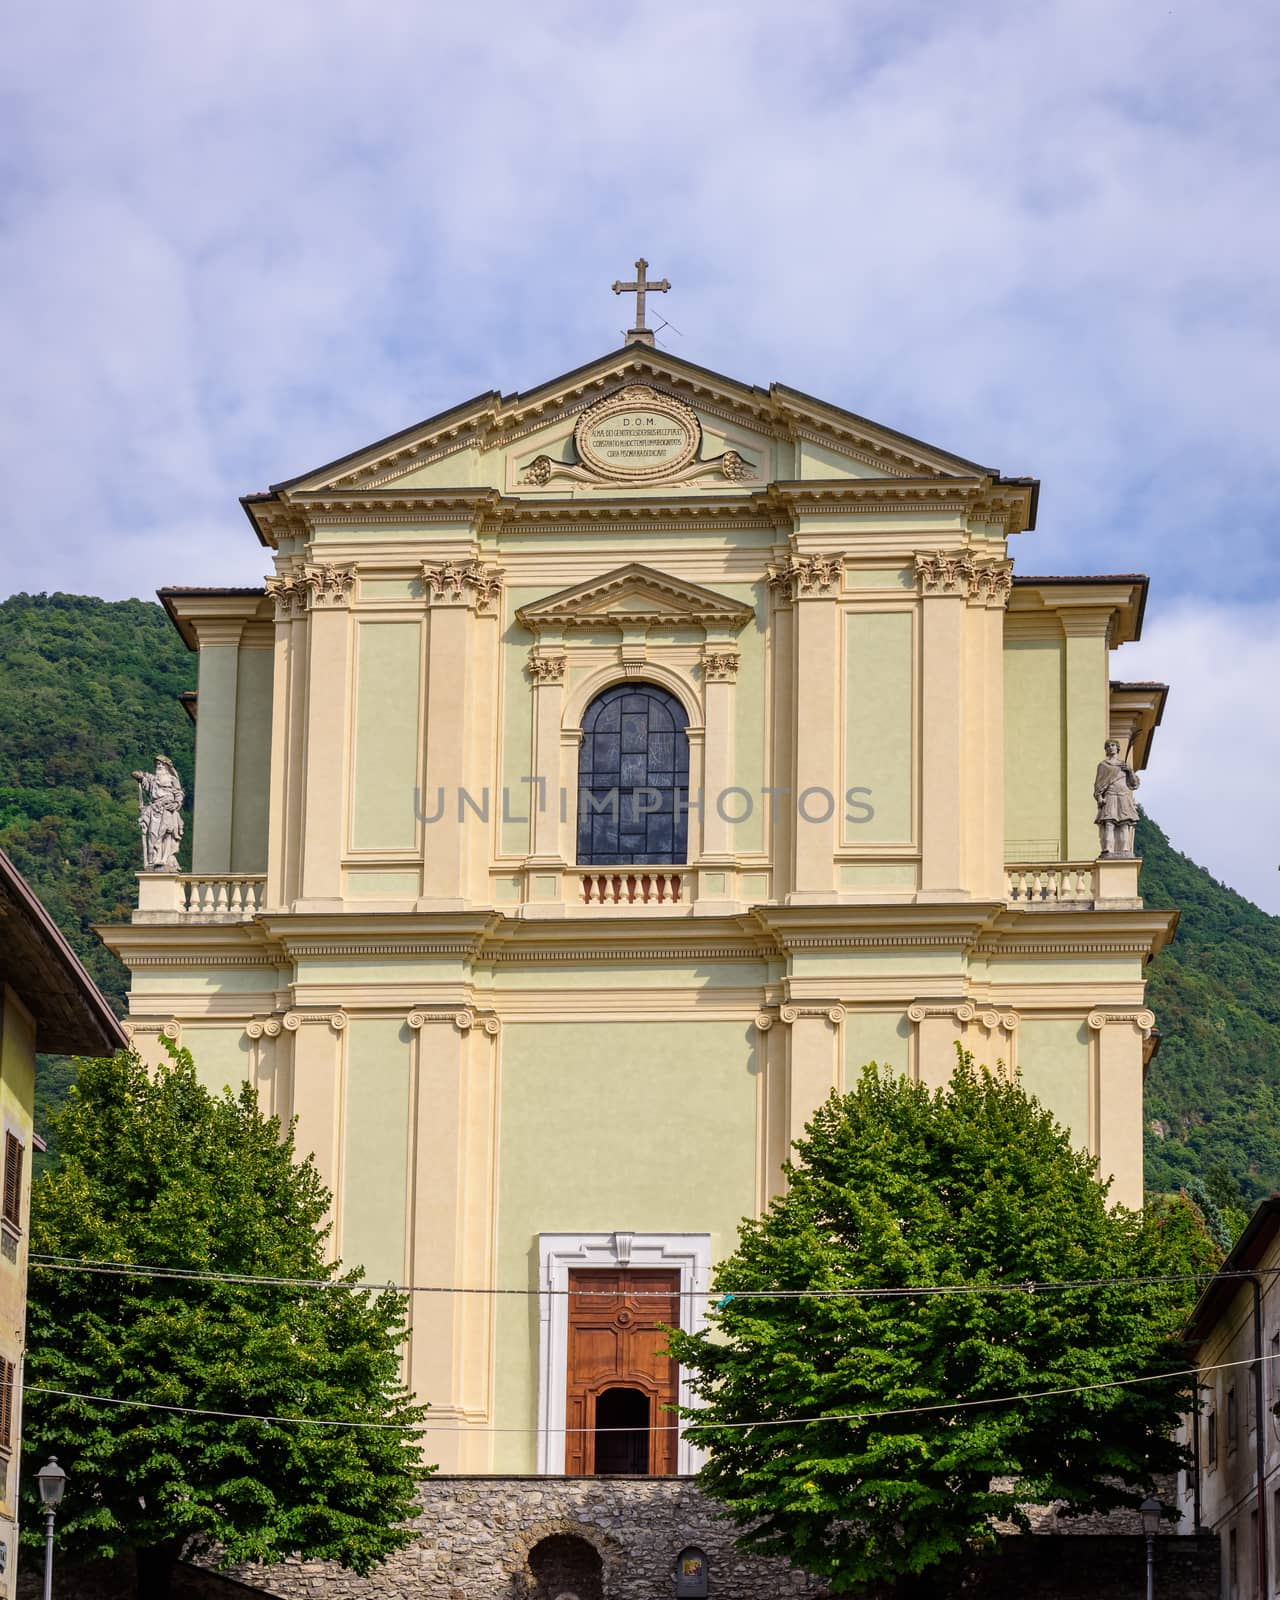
1232,1424
8,1380
1211,1438
11,1210
633,779
1233,1565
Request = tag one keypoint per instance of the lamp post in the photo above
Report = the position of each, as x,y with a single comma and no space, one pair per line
1149,1511
52,1480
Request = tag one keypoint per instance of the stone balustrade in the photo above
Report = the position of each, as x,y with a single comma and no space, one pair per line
1075,885
1050,883
631,887
200,896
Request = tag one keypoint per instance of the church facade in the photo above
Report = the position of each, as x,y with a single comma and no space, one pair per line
601,776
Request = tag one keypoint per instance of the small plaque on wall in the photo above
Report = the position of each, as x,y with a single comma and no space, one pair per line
692,1574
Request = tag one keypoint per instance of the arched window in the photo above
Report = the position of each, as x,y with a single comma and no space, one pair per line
633,779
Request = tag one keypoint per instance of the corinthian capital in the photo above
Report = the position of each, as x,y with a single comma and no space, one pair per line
945,572
467,583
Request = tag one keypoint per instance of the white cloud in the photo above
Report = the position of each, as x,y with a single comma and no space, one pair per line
243,240
1215,759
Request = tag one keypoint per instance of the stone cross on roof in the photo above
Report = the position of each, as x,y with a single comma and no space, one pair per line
640,287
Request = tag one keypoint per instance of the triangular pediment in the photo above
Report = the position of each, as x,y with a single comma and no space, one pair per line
635,596
775,433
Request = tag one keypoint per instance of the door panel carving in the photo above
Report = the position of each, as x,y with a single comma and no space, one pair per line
616,1341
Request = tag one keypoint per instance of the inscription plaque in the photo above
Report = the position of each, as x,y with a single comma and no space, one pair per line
638,433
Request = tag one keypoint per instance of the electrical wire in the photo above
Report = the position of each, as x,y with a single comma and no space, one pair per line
689,1427
902,1292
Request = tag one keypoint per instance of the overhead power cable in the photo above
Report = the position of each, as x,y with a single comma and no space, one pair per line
673,1427
129,1269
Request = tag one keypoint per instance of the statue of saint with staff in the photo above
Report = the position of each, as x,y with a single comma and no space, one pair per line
160,798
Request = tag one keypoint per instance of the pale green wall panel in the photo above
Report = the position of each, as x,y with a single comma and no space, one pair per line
648,1127
382,885
878,721
215,758
1053,1059
375,1165
880,1036
1033,749
388,733
221,1056
517,727
391,589
863,875
879,578
252,787
750,720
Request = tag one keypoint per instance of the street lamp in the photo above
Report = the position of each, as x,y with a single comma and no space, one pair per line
52,1480
1149,1511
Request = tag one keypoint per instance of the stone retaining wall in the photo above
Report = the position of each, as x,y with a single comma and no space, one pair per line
617,1539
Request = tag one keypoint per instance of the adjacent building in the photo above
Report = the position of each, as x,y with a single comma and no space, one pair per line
1234,1490
48,1003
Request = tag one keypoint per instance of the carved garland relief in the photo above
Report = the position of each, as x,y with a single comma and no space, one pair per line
638,435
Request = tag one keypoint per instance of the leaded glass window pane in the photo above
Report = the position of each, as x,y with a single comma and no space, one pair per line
633,779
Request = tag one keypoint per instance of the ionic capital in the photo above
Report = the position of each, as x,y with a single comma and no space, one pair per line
293,1020
1142,1019
791,1013
960,1010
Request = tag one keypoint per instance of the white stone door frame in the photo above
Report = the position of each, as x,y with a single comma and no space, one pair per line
558,1253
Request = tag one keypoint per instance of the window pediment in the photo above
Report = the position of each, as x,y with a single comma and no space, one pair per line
635,596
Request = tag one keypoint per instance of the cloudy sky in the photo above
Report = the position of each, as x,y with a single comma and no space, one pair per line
239,240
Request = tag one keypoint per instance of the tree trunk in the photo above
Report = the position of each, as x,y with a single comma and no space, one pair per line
155,1571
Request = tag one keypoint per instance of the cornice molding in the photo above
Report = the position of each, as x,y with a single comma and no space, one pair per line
656,600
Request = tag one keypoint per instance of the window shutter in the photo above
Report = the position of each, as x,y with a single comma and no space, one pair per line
8,1373
13,1153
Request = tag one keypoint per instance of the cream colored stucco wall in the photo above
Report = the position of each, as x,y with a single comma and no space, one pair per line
476,1048
648,1127
17,1102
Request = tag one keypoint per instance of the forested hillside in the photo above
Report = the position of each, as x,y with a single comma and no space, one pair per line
88,692
1213,1094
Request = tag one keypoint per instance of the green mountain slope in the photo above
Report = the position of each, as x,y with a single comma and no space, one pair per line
1213,1093
88,692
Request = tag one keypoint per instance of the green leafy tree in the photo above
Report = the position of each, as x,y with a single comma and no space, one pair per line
157,1171
894,1186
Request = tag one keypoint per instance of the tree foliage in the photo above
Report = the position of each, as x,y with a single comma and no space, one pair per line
157,1171
893,1186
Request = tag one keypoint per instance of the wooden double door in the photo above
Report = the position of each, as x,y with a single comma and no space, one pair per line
620,1376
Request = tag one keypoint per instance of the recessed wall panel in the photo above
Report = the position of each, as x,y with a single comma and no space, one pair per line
388,732
878,728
